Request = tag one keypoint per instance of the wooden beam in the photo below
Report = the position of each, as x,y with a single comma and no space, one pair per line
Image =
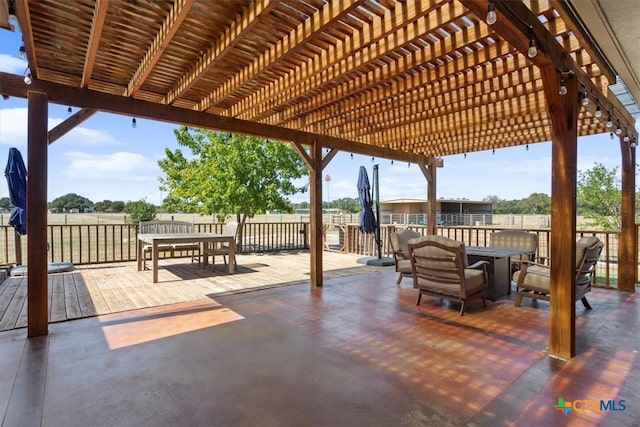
328,157
161,41
286,48
315,191
95,34
627,249
37,280
242,27
564,149
13,85
514,19
69,124
302,152
24,18
429,172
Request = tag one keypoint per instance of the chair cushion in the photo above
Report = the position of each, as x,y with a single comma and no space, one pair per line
515,239
400,240
537,278
404,266
582,245
475,280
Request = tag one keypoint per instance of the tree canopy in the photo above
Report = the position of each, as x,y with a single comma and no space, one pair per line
226,174
140,211
535,204
70,201
599,197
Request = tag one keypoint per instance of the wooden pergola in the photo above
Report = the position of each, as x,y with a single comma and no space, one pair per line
398,79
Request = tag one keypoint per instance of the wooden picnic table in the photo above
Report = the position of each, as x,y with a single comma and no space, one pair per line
157,240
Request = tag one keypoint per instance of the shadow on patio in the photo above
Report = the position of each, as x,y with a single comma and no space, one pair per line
356,352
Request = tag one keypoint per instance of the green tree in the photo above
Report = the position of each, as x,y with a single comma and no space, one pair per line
227,174
599,197
70,201
102,206
5,203
117,206
536,204
140,211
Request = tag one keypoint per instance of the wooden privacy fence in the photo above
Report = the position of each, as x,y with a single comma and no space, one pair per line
104,243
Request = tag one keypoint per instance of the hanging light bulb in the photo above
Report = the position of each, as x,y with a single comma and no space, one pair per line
27,77
69,110
598,113
626,137
527,147
391,162
563,88
611,135
373,159
533,51
609,122
351,156
22,52
465,155
618,129
491,14
494,152
585,99
134,124
633,143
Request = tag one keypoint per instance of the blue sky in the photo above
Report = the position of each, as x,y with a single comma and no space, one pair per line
105,158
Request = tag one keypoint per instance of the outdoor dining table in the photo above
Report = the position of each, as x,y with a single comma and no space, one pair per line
156,240
499,268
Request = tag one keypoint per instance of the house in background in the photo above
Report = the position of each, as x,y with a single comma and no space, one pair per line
448,212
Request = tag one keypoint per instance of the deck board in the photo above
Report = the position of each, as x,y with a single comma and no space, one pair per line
98,289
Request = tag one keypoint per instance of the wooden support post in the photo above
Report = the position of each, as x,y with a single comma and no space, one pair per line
563,111
627,250
429,172
315,184
37,292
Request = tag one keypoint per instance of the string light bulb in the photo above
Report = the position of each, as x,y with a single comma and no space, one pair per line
585,99
527,147
611,135
69,110
494,152
609,122
626,137
134,124
491,13
598,112
22,52
533,51
618,128
633,143
27,77
563,87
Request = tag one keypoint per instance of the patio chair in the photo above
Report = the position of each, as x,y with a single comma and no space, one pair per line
533,279
515,239
399,240
440,269
230,229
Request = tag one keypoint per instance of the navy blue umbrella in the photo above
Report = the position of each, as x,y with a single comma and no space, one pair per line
367,219
16,174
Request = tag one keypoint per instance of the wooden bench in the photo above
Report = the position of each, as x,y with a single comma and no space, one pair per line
169,227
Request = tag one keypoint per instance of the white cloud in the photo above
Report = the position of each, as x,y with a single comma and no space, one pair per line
13,131
115,167
11,64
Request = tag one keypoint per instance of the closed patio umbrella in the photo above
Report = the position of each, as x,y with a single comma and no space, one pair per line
367,219
16,174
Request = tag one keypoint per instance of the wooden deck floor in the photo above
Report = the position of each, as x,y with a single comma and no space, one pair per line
92,290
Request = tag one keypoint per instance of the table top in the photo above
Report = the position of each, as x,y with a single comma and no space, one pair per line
496,252
182,237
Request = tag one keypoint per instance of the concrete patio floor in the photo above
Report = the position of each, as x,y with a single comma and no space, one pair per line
357,352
